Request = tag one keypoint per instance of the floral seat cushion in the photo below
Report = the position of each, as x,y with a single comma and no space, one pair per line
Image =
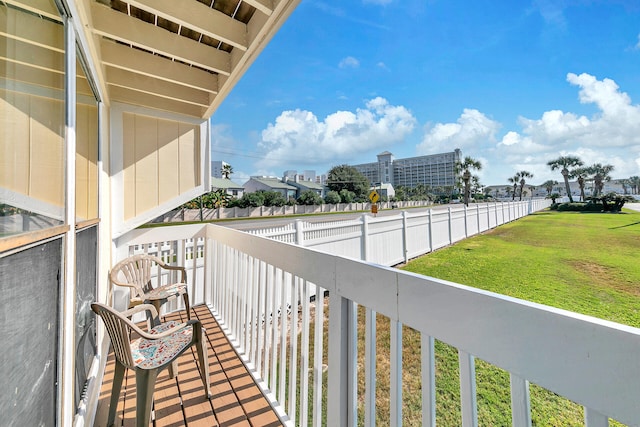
149,354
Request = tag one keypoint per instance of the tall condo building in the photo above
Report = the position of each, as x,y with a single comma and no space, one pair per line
435,170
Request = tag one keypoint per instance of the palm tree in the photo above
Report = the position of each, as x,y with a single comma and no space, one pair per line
465,167
514,180
581,174
565,162
635,184
508,190
626,183
548,185
600,174
522,175
226,170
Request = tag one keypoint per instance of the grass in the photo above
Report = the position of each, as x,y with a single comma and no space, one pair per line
585,263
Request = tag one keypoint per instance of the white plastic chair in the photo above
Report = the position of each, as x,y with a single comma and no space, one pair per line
135,272
149,354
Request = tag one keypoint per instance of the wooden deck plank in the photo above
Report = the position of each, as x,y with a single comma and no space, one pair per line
237,400
254,404
228,408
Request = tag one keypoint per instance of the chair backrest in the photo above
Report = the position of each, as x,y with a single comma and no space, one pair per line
119,330
135,272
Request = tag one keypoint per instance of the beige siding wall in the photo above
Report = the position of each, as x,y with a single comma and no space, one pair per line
161,160
87,162
32,146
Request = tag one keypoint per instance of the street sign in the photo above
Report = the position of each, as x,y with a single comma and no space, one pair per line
374,196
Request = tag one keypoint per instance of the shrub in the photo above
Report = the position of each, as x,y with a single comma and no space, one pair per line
332,198
309,197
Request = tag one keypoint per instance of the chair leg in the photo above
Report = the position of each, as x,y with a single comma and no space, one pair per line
185,297
145,385
173,369
204,362
118,376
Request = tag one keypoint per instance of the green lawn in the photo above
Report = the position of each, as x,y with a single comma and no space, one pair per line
587,263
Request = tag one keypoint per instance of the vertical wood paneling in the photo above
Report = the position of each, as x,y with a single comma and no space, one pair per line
47,139
128,166
82,167
146,154
15,165
168,160
189,156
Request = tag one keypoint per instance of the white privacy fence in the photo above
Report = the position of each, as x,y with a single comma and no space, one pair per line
205,214
250,282
391,240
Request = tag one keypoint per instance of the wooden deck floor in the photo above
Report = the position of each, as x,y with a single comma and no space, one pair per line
237,400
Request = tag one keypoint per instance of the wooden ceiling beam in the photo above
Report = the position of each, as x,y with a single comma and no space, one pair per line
264,6
129,80
121,27
197,16
147,64
34,56
146,100
41,7
32,29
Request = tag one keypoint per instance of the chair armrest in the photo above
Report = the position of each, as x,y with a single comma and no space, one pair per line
195,323
139,308
176,268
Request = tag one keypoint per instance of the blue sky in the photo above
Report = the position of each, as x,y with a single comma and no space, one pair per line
511,83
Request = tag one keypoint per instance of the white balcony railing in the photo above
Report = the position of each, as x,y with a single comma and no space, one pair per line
250,282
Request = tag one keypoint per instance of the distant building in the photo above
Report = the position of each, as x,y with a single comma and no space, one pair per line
230,187
303,186
436,170
384,190
216,168
269,183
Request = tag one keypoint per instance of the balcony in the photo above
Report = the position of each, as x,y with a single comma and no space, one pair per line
264,292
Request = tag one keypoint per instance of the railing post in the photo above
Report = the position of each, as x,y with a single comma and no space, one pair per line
520,402
396,373
405,237
430,230
299,233
468,389
450,226
365,237
370,368
341,407
594,418
428,381
466,229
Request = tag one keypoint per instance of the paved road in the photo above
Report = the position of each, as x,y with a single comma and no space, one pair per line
633,206
267,222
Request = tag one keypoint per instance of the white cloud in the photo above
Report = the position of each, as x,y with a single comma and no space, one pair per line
473,129
638,43
552,12
298,137
611,135
349,62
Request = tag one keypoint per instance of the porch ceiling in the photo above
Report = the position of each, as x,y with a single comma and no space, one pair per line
178,56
